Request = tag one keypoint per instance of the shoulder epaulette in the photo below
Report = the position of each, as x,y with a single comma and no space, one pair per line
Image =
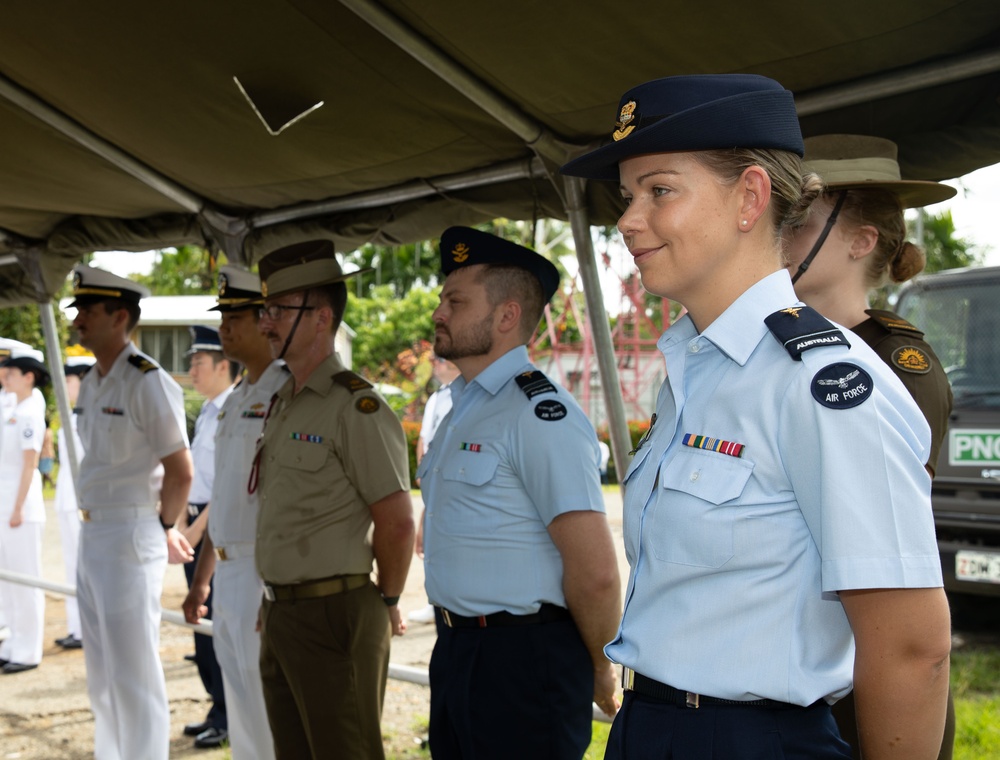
893,322
143,364
800,328
351,381
534,383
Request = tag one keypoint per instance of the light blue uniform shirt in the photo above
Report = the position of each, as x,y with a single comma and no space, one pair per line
735,561
500,468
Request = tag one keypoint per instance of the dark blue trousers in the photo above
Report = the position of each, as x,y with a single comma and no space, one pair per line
647,729
204,653
521,692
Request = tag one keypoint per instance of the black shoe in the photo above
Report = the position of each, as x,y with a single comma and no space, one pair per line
191,657
17,667
70,642
211,738
3,662
193,729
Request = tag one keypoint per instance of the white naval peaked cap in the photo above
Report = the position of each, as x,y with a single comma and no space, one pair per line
91,284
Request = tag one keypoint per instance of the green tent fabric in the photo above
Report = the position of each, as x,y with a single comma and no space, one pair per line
472,128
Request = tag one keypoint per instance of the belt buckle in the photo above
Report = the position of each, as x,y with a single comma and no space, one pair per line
447,617
268,592
692,700
85,515
220,552
628,679
192,510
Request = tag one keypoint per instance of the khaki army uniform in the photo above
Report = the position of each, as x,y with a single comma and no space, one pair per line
902,346
327,453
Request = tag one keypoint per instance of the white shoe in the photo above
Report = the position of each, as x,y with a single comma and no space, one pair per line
423,615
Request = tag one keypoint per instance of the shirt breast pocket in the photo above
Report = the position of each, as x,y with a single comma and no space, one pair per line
472,468
302,456
691,522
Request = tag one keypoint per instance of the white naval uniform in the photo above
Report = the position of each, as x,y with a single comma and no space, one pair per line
129,420
69,520
21,547
232,525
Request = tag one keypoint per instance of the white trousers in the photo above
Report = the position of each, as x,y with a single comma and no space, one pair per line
236,599
69,533
24,606
119,582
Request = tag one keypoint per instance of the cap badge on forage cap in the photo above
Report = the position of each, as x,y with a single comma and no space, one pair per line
695,113
464,246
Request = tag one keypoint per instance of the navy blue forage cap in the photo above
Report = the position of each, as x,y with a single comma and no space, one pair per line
464,247
204,338
691,113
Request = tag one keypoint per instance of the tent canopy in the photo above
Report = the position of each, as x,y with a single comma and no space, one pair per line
125,125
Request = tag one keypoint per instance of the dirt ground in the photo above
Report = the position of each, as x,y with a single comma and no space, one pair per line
45,714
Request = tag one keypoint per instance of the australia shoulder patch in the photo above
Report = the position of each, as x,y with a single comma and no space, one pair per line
550,410
800,328
142,364
911,359
842,385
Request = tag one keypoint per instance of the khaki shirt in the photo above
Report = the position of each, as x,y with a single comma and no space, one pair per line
325,455
902,346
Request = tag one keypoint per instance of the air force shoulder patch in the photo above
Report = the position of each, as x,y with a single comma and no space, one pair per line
841,385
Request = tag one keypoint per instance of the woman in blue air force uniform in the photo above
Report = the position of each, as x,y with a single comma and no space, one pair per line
777,516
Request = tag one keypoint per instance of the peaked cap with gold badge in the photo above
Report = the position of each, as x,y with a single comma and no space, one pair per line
464,247
238,289
694,113
301,266
91,284
863,162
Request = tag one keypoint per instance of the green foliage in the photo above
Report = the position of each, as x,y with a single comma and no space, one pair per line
185,271
943,249
388,326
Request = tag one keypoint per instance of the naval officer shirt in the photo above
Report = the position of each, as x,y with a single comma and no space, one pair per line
234,511
129,420
735,560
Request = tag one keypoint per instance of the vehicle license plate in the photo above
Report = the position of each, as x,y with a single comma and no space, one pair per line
981,567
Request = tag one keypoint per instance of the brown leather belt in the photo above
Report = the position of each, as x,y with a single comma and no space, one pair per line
314,589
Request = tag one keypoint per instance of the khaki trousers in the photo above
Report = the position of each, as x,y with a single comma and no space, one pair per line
323,665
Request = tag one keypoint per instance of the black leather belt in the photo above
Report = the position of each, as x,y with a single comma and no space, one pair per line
195,509
640,684
547,613
338,584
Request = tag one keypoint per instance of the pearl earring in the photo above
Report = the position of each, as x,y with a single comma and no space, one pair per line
744,223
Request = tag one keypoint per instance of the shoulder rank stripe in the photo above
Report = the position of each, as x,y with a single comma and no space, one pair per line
800,328
893,322
713,444
351,381
143,364
534,383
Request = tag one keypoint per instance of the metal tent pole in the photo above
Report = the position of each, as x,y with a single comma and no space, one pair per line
576,207
54,357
